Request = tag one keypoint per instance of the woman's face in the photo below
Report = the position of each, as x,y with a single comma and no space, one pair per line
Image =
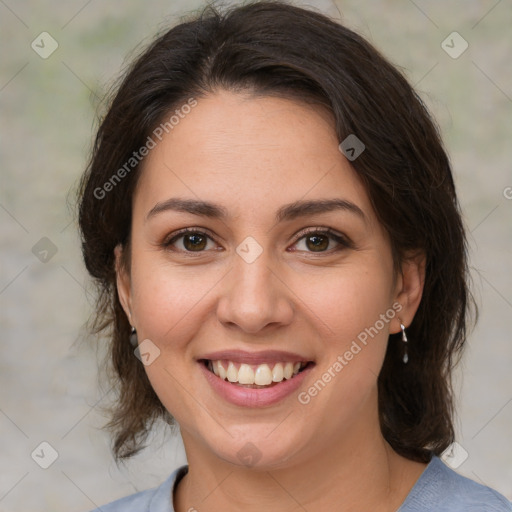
257,284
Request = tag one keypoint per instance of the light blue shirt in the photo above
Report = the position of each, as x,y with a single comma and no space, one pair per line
438,489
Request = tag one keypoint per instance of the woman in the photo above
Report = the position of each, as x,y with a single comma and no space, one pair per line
272,221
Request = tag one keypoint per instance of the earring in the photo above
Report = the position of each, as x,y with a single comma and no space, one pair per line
404,339
133,337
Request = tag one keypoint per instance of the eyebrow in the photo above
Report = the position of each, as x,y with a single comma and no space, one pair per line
286,212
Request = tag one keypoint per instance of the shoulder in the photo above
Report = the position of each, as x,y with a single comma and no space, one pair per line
158,499
441,489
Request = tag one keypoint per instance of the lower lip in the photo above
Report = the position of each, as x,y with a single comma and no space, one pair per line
254,397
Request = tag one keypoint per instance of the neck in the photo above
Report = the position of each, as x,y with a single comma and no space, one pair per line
354,471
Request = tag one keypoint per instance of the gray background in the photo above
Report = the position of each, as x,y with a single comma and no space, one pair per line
48,369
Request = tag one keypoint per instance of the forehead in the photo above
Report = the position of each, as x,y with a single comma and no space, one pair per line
249,153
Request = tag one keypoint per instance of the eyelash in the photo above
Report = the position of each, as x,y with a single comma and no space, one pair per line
343,241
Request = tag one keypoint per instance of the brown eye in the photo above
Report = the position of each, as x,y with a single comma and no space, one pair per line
191,241
194,242
318,241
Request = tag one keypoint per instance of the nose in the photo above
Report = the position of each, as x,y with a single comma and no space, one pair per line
255,296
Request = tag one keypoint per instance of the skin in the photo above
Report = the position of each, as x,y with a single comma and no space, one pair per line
253,155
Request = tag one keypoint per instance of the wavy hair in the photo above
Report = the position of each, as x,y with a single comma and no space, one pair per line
274,48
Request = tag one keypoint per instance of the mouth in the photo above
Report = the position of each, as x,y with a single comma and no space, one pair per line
255,376
255,379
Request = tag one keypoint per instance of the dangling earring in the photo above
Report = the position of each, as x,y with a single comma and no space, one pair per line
404,339
133,337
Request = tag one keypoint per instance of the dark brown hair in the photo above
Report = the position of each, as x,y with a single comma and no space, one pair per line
273,48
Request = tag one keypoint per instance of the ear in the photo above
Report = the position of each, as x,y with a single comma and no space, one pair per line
123,283
409,289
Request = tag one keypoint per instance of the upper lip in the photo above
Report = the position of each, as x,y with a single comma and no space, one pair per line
265,356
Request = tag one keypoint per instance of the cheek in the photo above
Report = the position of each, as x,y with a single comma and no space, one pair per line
350,299
167,299
357,308
171,303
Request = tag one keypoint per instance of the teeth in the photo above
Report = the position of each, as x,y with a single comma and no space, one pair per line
261,375
277,373
232,373
288,370
245,374
221,371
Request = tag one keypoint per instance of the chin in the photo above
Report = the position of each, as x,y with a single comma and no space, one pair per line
256,449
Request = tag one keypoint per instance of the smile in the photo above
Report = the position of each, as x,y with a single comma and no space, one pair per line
254,379
254,376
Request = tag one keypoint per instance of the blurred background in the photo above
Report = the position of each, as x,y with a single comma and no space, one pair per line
58,60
